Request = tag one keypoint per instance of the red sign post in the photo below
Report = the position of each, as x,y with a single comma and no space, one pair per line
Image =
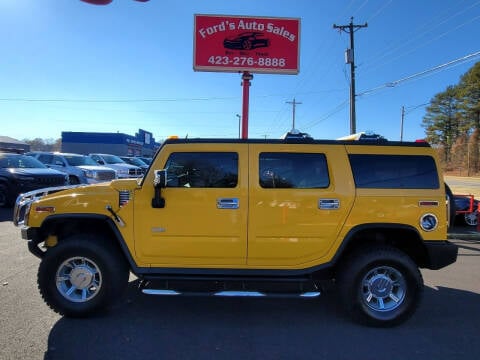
246,44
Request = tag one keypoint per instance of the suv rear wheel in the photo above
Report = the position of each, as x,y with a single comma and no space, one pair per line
380,286
81,275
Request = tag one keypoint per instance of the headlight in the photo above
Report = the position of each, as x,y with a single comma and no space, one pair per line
428,222
89,173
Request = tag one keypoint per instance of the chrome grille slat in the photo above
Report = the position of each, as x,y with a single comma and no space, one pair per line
24,201
124,197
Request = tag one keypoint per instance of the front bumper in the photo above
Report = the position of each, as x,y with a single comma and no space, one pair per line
440,254
33,240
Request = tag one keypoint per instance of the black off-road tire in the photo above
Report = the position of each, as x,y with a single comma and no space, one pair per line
380,287
82,275
73,180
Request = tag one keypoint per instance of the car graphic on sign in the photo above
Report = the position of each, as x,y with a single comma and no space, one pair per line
246,41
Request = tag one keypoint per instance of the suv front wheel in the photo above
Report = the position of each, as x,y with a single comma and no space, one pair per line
81,275
380,286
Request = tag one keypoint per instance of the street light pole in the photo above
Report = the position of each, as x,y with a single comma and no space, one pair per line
239,126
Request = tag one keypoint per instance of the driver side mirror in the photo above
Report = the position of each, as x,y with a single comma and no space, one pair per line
159,182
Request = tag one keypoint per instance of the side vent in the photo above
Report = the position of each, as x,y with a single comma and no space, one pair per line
124,197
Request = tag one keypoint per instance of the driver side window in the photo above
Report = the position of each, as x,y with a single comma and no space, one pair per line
202,170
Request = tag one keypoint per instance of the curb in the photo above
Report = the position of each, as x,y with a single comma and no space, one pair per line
464,236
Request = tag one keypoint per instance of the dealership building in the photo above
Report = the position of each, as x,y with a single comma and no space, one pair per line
13,145
142,144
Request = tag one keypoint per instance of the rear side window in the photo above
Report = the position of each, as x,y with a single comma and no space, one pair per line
293,170
45,158
394,171
202,170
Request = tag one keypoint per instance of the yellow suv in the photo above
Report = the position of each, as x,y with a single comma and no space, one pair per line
249,217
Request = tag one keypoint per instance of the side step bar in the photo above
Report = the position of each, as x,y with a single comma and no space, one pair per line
231,293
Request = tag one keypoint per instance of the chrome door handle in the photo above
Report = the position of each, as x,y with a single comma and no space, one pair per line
227,203
329,204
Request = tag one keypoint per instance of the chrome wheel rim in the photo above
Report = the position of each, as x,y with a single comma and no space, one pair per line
383,289
247,45
471,218
78,279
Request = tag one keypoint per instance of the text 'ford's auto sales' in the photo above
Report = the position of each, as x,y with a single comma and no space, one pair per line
234,43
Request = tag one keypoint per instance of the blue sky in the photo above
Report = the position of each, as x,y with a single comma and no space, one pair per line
70,66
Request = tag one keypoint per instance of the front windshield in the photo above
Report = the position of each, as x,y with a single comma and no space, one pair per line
112,159
147,161
78,160
11,161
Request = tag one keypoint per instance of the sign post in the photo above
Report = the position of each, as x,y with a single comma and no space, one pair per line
246,77
246,45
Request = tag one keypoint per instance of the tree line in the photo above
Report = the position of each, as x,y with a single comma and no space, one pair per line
39,144
452,124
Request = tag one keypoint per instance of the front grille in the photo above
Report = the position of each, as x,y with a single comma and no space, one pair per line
41,182
135,172
105,175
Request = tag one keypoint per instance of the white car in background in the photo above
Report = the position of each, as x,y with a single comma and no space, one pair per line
123,169
81,169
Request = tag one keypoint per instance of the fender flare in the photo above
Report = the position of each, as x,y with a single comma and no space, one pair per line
110,223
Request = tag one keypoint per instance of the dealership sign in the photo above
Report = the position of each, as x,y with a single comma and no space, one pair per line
244,43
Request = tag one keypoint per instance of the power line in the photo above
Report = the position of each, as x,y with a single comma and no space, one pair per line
152,100
379,11
423,30
332,112
422,73
116,100
410,41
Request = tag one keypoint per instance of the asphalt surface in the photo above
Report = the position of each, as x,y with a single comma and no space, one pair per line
446,326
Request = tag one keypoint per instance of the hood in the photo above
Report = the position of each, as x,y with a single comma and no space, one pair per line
122,166
94,168
35,171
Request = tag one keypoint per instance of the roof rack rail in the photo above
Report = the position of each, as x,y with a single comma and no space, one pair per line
295,134
363,136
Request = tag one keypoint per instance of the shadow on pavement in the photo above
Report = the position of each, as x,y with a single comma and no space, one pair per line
147,327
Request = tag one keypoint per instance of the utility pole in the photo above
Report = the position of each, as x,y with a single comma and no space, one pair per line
350,59
401,123
294,103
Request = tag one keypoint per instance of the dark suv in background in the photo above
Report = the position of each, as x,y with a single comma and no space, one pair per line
21,173
132,160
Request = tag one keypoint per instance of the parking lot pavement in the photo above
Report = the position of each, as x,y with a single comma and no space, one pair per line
446,325
464,232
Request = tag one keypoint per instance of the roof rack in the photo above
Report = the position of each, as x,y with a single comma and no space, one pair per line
363,136
295,134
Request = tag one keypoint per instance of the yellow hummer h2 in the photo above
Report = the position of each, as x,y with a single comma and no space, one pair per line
249,217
